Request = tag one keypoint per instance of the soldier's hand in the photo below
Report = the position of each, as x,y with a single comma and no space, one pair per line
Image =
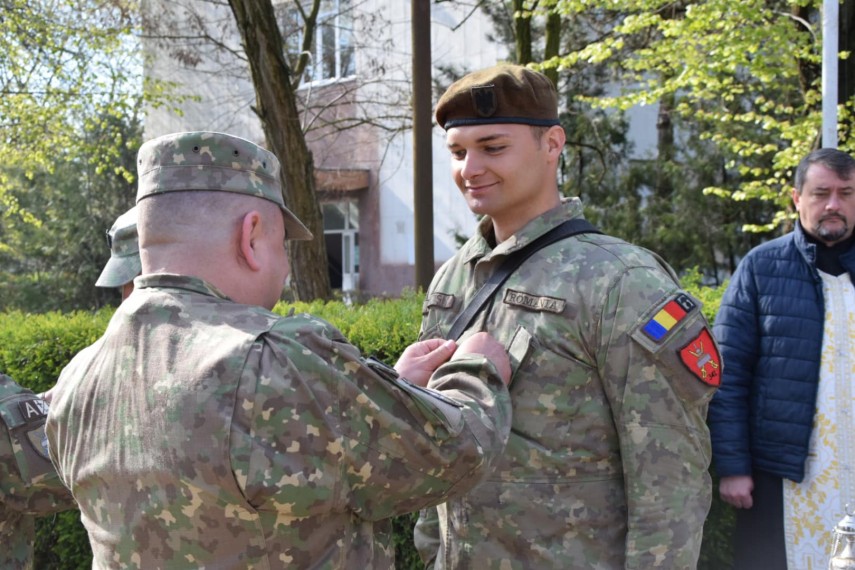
736,490
484,344
421,359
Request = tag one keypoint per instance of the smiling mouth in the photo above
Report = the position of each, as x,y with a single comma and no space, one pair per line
479,187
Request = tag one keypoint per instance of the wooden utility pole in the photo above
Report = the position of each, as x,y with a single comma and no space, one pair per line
422,144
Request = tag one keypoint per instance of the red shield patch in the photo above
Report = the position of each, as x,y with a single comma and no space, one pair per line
701,357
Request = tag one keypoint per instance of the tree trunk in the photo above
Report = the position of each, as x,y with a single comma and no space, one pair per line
277,108
553,44
664,186
522,32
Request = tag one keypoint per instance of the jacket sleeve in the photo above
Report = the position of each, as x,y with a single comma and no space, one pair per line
28,481
659,407
736,329
386,447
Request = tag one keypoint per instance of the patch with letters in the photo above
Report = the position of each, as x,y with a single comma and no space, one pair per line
702,359
534,302
664,321
33,409
441,300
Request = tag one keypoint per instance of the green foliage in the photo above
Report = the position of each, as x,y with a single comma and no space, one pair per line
379,327
666,195
406,555
63,65
35,348
62,543
53,264
745,74
692,281
71,94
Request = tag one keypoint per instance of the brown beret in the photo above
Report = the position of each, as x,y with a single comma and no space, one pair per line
503,93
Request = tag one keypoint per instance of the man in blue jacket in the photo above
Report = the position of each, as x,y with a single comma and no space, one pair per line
782,418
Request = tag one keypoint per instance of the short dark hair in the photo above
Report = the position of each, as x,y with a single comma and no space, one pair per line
836,160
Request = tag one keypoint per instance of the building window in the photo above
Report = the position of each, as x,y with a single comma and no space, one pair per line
341,234
331,53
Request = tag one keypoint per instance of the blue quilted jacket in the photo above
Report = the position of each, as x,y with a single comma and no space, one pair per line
769,329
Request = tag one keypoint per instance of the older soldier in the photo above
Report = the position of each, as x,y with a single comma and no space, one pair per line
613,364
203,430
28,483
124,263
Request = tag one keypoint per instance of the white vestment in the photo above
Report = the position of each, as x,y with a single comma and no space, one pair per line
813,507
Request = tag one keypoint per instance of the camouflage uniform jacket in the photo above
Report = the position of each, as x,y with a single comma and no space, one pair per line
198,432
28,483
606,465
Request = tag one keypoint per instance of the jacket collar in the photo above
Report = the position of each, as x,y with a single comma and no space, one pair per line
806,248
173,281
808,252
480,245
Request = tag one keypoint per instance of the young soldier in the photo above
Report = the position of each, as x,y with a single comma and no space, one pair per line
613,363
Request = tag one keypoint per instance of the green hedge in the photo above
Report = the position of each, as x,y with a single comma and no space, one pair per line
35,348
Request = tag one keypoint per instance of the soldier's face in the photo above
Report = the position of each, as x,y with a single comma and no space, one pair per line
826,204
505,171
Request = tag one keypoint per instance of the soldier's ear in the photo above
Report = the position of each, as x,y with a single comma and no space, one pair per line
249,239
555,139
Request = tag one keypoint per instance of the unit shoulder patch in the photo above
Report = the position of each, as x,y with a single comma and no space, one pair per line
700,355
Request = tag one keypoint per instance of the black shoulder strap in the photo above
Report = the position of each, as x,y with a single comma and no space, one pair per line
511,263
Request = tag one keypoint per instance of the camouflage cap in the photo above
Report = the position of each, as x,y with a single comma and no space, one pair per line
124,263
210,161
504,93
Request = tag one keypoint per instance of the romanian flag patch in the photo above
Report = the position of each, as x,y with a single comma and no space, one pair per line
668,316
702,359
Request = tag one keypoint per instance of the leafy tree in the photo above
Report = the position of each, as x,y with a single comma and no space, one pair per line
53,264
70,93
745,75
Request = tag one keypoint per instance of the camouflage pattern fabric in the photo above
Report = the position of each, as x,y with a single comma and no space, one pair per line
606,465
198,432
28,483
